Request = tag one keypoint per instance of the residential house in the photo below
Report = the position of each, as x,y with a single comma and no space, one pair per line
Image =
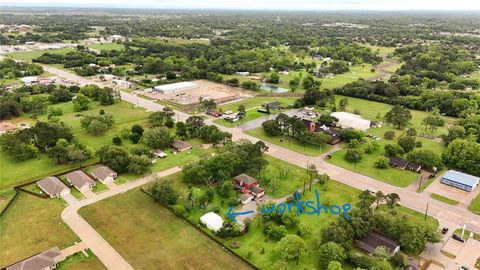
314,127
46,260
375,239
257,191
248,185
274,105
246,198
398,163
53,187
80,180
181,146
104,174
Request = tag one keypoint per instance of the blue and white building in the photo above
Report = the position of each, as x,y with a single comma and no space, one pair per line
460,180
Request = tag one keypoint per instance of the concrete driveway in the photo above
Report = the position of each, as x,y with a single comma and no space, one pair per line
69,198
463,197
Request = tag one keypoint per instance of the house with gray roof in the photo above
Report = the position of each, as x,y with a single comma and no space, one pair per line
80,180
181,146
46,260
104,174
53,187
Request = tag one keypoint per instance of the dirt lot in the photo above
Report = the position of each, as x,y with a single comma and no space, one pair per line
206,89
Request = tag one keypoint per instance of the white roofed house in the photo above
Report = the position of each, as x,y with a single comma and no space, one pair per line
80,180
53,187
104,174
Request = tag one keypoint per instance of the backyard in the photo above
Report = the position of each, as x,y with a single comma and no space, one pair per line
146,234
32,225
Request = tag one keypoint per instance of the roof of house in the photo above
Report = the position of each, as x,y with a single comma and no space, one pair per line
273,104
7,126
414,166
245,197
51,185
256,189
178,144
245,179
460,177
399,162
40,261
102,172
212,221
79,178
375,239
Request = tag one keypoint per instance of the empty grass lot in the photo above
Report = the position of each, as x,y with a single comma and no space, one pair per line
443,199
475,205
28,56
291,144
147,234
107,46
32,225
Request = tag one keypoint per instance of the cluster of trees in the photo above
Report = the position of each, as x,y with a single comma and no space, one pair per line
338,237
10,69
293,127
233,160
54,139
97,124
137,161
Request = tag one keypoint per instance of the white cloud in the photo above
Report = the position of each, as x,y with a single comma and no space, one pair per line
265,4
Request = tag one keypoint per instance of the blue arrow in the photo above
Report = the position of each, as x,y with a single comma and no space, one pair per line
233,215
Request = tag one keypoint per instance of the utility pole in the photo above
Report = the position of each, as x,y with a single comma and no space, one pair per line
426,212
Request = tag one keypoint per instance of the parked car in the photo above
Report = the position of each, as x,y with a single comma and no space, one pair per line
371,190
458,238
464,268
444,230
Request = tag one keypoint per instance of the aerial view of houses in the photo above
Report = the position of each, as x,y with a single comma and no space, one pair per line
300,135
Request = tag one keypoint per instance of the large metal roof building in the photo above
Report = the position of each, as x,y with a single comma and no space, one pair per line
460,180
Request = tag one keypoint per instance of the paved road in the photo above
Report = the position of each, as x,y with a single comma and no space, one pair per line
91,238
448,215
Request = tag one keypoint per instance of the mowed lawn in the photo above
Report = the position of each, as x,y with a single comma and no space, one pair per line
291,143
475,205
149,236
79,261
107,46
14,172
29,55
32,225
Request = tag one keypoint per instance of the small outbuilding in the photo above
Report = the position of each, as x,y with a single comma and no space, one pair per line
181,146
257,191
350,120
213,221
246,198
80,180
43,261
375,239
460,180
104,174
53,187
159,153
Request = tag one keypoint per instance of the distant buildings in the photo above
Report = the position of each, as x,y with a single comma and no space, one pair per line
175,87
460,180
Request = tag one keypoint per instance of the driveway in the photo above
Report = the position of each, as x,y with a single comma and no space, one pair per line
69,198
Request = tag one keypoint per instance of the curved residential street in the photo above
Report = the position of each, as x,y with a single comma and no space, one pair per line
448,215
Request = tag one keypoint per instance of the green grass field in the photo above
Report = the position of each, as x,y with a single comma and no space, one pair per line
291,144
32,225
107,46
124,115
475,205
443,199
146,234
79,261
29,55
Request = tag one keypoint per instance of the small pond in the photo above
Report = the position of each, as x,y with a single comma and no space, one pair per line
273,88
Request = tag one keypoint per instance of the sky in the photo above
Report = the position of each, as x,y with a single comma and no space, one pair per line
259,4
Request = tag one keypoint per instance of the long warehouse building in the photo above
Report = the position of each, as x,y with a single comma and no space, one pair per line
175,87
460,180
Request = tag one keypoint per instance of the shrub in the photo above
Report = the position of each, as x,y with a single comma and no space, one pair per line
389,135
382,163
117,140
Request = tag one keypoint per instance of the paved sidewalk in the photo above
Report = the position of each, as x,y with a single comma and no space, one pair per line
69,251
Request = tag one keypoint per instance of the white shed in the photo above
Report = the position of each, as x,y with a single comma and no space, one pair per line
213,221
350,120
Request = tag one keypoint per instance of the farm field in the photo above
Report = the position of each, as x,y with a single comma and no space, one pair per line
163,240
32,225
